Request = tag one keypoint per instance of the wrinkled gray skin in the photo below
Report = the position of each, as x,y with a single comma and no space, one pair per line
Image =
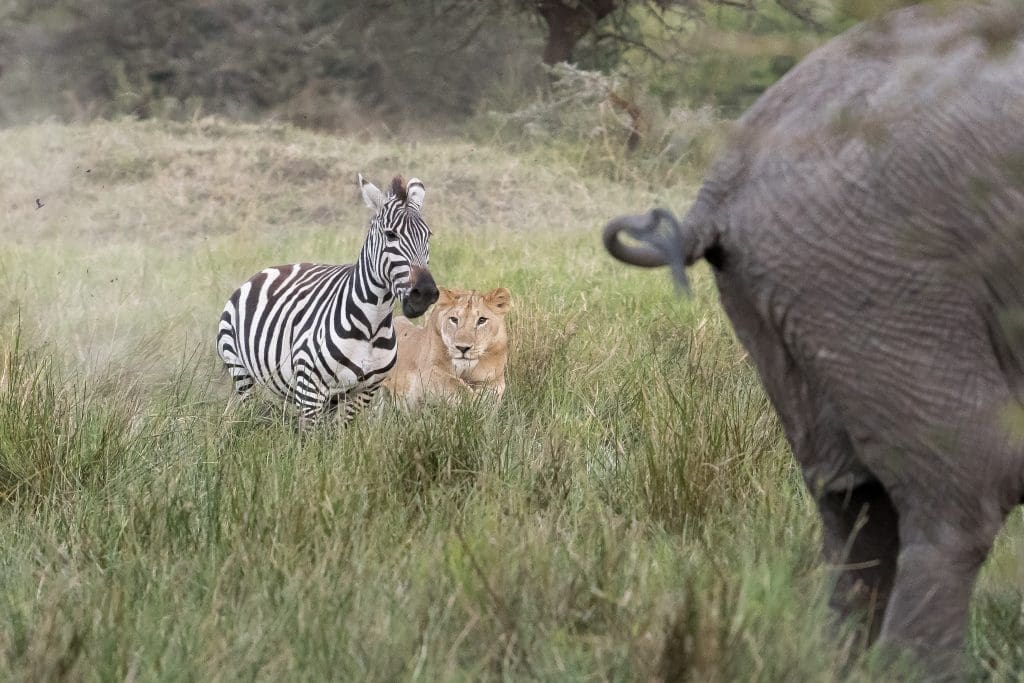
866,232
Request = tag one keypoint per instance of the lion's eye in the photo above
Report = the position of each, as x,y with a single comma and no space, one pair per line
481,321
391,235
453,320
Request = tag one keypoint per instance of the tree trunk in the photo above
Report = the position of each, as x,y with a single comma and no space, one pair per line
568,23
560,44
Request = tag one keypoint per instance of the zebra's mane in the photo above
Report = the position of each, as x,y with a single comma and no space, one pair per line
398,188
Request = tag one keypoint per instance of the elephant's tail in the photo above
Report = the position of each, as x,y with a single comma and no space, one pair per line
663,240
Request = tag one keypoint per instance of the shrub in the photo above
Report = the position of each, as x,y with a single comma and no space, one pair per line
598,121
317,63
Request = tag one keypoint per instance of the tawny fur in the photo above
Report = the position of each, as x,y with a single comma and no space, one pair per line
430,363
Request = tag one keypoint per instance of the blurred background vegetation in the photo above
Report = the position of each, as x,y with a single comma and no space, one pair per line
649,78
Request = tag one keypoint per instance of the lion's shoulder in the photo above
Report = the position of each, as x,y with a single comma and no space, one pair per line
405,327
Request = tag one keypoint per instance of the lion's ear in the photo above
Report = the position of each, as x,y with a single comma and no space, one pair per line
499,300
445,297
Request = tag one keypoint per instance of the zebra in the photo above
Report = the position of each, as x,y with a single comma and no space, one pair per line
321,335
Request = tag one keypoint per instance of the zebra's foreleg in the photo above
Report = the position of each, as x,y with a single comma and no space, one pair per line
358,403
237,399
309,397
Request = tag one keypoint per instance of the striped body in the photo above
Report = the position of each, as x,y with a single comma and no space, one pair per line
300,331
321,335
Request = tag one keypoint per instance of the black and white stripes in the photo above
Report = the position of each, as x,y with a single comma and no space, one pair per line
321,335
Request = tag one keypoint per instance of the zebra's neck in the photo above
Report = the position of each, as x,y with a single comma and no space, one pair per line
370,291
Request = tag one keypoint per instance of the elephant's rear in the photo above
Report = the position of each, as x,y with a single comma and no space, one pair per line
866,230
874,217
869,228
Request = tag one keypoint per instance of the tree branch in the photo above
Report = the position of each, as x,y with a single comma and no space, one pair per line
630,41
749,6
795,9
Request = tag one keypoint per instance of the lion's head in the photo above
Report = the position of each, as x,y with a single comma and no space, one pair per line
472,324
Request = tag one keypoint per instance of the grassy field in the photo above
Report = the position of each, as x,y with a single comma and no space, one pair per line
631,511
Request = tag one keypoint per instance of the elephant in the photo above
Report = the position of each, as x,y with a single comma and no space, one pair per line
865,231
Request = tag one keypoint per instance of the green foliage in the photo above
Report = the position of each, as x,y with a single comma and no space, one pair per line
645,101
351,66
320,64
707,54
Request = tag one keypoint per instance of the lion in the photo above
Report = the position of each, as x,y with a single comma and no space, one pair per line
461,350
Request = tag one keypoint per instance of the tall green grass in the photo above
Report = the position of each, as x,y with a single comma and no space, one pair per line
629,512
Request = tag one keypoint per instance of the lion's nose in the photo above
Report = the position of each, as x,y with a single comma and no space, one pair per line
463,349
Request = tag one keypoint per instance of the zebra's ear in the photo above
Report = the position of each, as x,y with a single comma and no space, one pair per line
415,193
373,197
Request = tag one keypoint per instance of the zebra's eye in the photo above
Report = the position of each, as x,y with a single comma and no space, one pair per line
481,321
391,235
453,320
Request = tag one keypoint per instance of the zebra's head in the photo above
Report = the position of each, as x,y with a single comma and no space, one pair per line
399,240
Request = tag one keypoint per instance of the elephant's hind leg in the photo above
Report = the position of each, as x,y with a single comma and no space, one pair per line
938,563
860,538
859,524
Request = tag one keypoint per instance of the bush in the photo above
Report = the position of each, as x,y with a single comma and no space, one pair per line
317,63
596,120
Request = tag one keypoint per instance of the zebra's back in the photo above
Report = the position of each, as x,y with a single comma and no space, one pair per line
277,321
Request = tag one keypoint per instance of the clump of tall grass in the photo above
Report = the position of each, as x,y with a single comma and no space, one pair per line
57,436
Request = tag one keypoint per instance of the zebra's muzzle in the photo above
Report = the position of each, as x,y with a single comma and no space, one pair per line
420,295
